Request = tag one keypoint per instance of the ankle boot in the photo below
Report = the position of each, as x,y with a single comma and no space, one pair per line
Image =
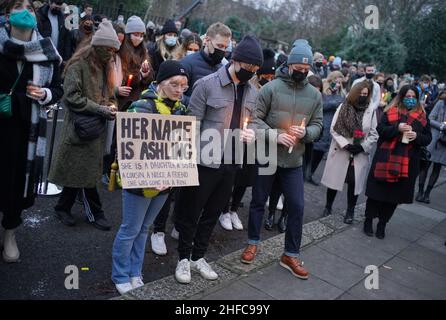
11,252
381,230
420,194
281,225
368,227
426,197
349,216
269,222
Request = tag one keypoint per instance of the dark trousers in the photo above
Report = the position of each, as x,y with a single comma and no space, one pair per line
308,159
379,209
276,192
316,160
90,199
12,219
159,225
236,198
198,208
292,185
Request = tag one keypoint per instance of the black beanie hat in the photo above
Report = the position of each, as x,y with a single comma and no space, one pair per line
269,63
169,69
169,26
248,51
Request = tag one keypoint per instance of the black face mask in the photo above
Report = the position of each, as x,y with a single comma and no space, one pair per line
369,75
244,75
55,11
263,81
319,64
88,28
298,76
217,56
362,101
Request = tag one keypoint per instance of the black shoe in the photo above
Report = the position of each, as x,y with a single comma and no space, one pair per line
66,218
426,198
281,225
368,227
311,181
349,215
327,212
100,222
269,222
381,230
420,196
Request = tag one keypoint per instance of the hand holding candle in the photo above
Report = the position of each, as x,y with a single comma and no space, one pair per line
247,135
129,80
145,69
299,132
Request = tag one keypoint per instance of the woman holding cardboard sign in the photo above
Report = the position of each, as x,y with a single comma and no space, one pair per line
142,206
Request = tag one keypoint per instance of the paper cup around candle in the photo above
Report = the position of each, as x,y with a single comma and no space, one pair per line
405,139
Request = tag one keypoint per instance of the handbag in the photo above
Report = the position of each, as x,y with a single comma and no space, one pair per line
6,99
90,127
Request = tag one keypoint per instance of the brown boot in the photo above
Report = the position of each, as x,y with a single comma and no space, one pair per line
249,254
295,266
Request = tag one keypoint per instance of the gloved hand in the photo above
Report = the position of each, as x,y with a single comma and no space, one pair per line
108,112
354,149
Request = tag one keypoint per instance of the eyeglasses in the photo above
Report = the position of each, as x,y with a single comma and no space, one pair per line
176,86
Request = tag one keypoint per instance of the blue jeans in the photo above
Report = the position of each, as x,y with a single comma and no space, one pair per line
292,184
138,213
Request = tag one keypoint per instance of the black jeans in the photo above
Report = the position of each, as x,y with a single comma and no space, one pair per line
90,200
236,198
379,209
198,208
276,192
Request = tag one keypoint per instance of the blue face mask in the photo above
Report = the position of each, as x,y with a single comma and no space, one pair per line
23,19
410,103
171,41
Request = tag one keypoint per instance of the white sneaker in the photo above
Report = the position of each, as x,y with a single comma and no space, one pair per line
182,272
123,288
175,234
11,253
225,221
280,203
158,244
136,282
204,269
236,223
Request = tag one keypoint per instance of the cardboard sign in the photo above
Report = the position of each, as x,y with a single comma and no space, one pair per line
156,150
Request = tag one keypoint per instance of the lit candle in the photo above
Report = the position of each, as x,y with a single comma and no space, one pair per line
302,125
129,80
245,124
425,98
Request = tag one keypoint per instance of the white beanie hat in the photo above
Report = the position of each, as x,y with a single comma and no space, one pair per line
106,36
135,24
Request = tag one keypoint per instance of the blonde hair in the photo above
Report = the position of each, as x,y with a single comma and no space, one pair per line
219,28
329,80
165,52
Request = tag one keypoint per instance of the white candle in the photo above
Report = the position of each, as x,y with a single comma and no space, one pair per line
302,125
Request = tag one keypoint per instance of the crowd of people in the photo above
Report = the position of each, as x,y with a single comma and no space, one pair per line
378,131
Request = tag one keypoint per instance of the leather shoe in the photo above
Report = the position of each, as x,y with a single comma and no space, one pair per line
294,266
249,254
349,216
381,230
281,225
269,222
100,222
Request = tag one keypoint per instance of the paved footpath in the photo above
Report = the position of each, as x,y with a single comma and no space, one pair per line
411,263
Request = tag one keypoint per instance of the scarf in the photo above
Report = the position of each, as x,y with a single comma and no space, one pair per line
392,156
42,54
349,120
